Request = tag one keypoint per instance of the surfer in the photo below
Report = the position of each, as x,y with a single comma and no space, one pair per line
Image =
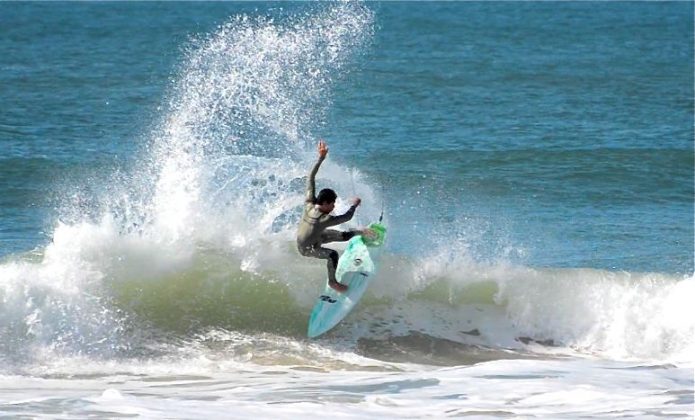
316,218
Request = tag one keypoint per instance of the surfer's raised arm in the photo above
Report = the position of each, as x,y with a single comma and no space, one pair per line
311,181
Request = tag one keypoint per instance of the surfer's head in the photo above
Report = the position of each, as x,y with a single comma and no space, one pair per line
326,200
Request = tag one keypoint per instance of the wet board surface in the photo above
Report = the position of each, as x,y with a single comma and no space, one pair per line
356,269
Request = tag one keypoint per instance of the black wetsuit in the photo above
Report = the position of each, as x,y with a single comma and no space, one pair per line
313,228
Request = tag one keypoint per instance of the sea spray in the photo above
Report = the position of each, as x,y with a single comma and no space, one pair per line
197,241
221,172
250,96
617,314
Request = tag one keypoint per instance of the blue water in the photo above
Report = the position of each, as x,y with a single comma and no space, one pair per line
533,160
564,129
561,133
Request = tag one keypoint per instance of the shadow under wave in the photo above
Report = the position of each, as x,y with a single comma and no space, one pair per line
213,292
439,319
421,348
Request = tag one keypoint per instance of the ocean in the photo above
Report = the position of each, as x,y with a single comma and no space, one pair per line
533,161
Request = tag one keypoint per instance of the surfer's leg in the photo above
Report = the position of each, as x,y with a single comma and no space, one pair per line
331,257
331,263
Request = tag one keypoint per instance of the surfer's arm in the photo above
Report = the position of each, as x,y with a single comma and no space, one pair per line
345,217
310,196
336,220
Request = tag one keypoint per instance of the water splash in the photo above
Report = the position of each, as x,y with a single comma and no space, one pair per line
249,96
223,165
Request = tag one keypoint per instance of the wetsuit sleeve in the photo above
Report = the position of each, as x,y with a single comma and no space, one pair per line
310,195
336,220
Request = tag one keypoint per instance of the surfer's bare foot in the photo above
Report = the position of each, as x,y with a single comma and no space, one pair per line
339,287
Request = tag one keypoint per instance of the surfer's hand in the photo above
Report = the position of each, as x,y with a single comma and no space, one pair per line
356,201
323,149
368,233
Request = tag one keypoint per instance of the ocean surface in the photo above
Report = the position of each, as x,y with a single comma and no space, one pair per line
533,160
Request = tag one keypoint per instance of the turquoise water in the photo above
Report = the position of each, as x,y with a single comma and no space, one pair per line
561,131
533,161
564,130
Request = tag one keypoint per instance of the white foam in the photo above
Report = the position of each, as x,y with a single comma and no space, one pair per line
221,170
518,388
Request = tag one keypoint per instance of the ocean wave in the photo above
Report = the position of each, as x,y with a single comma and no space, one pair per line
121,297
196,242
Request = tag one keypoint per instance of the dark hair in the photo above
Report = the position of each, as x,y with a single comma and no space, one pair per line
325,196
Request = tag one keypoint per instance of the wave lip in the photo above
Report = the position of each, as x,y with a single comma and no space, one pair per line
110,296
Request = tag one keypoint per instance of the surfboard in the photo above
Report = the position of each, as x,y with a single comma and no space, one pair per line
356,268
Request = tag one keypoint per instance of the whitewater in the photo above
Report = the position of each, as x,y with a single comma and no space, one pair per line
171,286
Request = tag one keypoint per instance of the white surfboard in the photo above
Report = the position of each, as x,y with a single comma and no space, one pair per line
356,268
